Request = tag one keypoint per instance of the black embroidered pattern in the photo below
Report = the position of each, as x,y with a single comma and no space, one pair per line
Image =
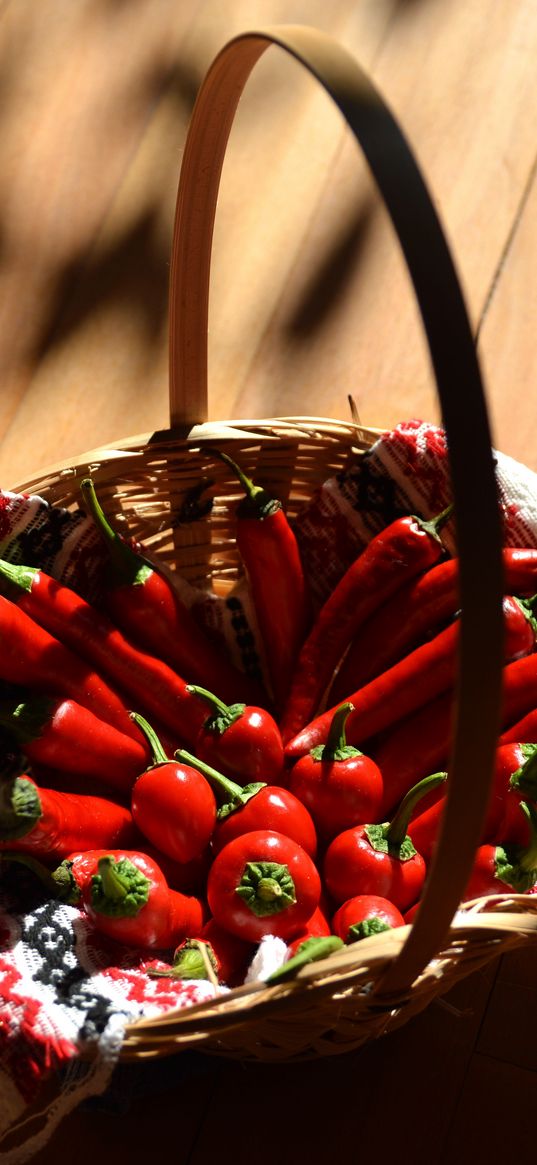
244,639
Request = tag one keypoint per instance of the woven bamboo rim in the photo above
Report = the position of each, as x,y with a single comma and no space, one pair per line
376,985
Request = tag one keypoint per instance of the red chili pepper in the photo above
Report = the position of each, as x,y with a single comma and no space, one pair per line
379,859
262,883
127,898
51,824
418,612
364,915
255,806
151,684
406,547
172,804
271,558
30,656
414,681
338,784
62,734
233,954
515,778
239,740
498,869
147,608
416,746
523,730
316,927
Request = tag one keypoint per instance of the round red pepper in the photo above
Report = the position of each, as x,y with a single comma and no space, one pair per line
255,806
127,898
379,859
316,927
263,883
239,740
338,784
364,915
172,804
501,868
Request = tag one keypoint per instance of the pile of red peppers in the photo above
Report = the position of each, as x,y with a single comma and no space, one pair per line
189,810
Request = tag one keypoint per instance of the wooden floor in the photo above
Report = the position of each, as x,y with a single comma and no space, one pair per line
310,302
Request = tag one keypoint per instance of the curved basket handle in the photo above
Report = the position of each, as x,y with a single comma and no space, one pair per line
461,397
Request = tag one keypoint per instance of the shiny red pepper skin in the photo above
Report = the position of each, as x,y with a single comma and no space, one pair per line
352,867
63,735
338,784
316,927
380,858
418,612
503,821
172,804
260,855
162,922
241,741
149,683
145,605
271,808
280,595
232,954
30,656
380,913
427,672
416,746
67,821
402,550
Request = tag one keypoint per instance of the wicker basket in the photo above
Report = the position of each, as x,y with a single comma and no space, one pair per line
374,986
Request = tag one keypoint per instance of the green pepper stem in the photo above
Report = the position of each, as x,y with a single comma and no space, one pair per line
216,704
127,566
257,502
25,720
114,885
336,747
157,752
524,780
15,578
396,830
222,783
20,806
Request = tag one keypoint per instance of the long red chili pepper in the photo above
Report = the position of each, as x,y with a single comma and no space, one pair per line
271,558
30,656
144,604
418,611
255,806
239,740
51,824
500,868
428,671
151,684
406,547
64,735
515,779
338,784
380,859
126,896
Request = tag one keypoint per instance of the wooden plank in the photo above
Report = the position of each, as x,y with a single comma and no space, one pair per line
105,355
398,1093
495,1117
507,338
461,79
